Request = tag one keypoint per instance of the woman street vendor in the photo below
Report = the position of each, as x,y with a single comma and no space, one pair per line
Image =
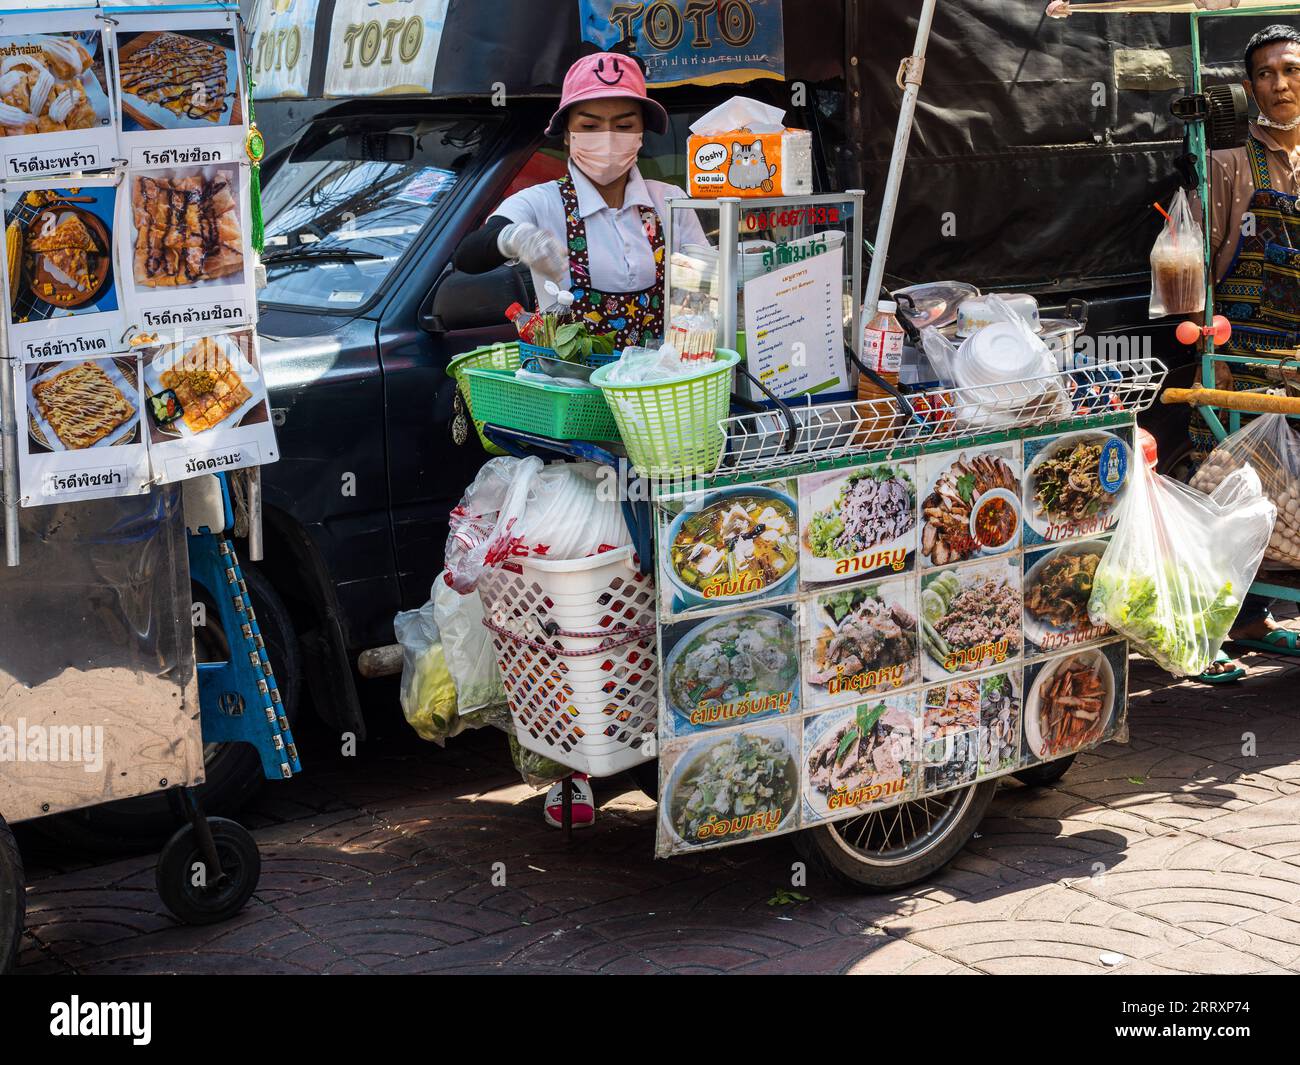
1255,250
597,232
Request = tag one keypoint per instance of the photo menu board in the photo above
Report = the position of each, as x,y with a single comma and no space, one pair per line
839,642
126,207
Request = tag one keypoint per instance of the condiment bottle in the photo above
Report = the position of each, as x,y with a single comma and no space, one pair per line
882,351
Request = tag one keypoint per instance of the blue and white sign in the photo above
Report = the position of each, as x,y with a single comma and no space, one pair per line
697,41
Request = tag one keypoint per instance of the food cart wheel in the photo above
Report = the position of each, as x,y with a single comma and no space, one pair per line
1039,776
13,898
186,880
898,845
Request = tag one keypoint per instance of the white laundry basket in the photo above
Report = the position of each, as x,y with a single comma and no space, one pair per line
575,643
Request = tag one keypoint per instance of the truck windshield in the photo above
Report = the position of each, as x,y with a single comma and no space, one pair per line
340,215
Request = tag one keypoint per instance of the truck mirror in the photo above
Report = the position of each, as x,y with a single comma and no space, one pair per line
473,301
380,147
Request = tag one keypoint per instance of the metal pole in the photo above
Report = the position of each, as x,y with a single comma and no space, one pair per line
255,514
910,74
9,450
728,227
855,329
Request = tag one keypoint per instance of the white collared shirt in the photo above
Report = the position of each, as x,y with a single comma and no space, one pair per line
618,249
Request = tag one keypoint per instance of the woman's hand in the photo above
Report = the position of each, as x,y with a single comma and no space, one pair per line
535,248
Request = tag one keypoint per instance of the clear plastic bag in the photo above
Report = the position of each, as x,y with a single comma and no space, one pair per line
428,693
520,507
1178,263
1179,563
467,646
1271,448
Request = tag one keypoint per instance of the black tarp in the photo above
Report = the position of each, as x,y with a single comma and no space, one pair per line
1030,163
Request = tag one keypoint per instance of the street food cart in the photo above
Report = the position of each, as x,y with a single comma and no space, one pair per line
131,396
850,617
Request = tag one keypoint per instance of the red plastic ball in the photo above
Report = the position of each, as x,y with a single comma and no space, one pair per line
1188,333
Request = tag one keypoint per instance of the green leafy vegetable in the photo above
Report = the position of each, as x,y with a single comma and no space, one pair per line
966,487
1177,617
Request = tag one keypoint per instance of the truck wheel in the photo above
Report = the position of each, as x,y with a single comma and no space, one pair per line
900,845
233,771
13,898
193,898
1040,776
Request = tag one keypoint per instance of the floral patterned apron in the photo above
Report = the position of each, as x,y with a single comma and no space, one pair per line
637,317
1260,294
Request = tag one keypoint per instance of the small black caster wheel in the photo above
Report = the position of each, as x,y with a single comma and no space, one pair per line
190,891
13,898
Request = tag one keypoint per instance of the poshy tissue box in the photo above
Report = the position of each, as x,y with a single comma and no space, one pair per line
743,148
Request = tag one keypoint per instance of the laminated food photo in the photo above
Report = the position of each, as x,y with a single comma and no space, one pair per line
52,83
59,251
178,80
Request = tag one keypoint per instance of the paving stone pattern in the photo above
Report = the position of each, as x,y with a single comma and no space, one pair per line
1177,852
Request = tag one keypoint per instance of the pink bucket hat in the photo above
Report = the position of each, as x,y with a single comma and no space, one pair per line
605,75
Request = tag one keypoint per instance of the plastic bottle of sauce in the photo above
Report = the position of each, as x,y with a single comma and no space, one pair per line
882,351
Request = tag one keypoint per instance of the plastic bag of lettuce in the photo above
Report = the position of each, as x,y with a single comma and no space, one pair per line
1179,563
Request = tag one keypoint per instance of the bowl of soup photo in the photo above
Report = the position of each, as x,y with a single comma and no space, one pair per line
995,521
739,544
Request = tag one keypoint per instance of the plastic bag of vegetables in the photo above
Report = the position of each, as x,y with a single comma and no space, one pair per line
1271,447
1179,563
428,692
467,646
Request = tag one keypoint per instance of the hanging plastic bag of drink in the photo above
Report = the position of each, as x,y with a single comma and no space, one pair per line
1178,263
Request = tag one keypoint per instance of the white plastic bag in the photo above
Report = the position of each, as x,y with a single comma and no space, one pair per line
1271,447
467,647
1179,563
521,508
638,366
428,694
1178,263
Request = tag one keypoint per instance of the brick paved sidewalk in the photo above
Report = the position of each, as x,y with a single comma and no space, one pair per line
1176,852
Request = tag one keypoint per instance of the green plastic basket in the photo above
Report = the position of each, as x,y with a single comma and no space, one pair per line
493,357
673,428
557,411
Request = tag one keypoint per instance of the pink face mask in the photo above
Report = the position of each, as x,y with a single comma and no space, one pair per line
604,157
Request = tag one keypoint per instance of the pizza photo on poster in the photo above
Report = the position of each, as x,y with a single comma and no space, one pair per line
727,548
185,248
55,114
1074,700
61,287
179,80
205,406
730,669
80,430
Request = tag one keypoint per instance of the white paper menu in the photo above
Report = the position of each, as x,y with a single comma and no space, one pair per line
794,336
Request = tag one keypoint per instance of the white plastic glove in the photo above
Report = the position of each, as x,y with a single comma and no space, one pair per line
534,247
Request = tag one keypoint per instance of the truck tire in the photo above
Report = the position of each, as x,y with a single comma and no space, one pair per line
854,853
13,898
233,771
